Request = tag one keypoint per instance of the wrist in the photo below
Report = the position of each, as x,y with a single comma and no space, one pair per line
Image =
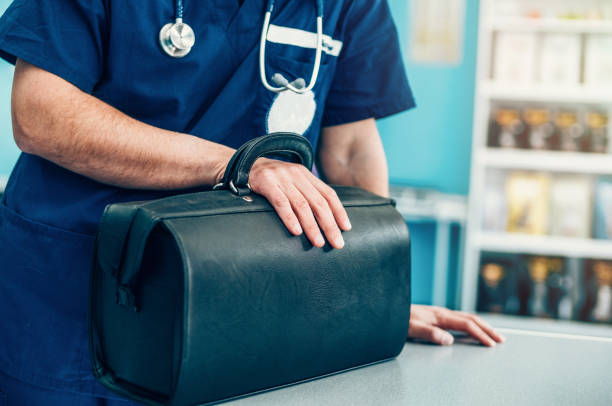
221,165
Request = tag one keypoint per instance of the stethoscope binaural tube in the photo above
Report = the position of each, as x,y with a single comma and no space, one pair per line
293,86
177,38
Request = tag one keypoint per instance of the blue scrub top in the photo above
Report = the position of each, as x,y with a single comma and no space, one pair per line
110,49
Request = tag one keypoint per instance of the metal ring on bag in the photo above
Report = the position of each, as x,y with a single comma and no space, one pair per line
234,189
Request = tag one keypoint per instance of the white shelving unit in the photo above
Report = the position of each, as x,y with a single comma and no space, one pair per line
490,90
543,245
551,161
519,24
485,159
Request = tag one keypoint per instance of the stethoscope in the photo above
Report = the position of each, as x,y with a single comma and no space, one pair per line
177,39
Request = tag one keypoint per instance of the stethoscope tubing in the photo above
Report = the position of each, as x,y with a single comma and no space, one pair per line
178,10
318,54
177,50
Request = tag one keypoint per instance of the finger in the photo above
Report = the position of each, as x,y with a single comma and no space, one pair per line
282,206
302,210
322,212
488,329
462,322
335,204
428,332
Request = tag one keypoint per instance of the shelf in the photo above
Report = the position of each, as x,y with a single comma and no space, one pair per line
553,161
544,245
545,93
550,25
428,205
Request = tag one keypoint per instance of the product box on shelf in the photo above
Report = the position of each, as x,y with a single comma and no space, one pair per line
602,222
540,129
506,128
597,131
560,59
515,57
550,294
499,285
571,206
495,204
597,292
598,60
527,200
570,132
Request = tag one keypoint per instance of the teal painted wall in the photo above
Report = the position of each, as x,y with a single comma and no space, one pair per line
430,145
8,149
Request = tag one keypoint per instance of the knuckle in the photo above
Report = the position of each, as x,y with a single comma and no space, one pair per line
266,174
296,168
439,310
470,325
320,204
279,201
331,192
476,319
302,205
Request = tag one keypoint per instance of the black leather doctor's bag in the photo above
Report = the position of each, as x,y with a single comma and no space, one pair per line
204,297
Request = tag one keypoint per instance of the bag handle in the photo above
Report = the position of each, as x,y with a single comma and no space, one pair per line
236,177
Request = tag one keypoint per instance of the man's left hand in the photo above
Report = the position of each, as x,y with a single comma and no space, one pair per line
430,323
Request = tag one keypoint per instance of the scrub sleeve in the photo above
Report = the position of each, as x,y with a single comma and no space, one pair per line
370,78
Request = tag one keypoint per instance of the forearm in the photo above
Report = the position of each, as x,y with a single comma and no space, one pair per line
353,155
55,120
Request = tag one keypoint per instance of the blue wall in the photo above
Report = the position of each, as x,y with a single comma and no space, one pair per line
430,146
8,149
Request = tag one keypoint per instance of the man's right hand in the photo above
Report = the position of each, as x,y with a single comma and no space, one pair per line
303,202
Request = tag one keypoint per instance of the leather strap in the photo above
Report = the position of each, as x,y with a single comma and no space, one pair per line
112,236
123,234
291,145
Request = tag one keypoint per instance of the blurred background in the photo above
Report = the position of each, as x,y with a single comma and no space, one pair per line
503,171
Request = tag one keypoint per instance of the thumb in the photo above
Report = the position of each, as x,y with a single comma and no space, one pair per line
427,332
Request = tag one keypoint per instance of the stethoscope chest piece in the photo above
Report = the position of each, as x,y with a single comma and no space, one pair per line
176,39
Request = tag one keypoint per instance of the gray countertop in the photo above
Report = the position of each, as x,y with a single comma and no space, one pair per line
543,362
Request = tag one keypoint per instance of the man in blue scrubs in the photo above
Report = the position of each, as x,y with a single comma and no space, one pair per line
103,115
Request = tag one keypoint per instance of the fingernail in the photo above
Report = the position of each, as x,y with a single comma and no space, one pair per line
348,225
502,338
319,241
445,339
491,343
297,229
340,242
